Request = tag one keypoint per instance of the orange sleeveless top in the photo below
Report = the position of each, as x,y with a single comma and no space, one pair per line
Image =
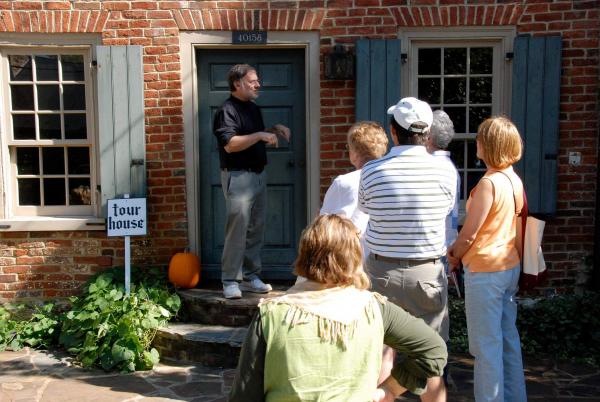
494,246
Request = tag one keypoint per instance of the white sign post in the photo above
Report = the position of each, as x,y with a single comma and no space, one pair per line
127,217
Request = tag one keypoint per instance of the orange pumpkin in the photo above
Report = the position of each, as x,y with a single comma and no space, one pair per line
184,270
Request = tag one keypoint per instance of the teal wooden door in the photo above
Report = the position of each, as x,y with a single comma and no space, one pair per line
282,100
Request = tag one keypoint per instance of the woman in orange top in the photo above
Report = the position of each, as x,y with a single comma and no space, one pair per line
486,245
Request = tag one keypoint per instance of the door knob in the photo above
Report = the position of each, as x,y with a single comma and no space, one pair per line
291,163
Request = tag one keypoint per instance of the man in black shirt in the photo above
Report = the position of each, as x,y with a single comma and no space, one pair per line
242,138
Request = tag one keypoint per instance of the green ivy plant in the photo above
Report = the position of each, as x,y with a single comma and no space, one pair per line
566,327
103,327
21,326
106,328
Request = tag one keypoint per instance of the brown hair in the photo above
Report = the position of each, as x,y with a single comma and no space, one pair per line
238,72
500,142
330,253
368,140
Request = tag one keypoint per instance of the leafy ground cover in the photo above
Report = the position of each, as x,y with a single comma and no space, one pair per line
564,327
102,327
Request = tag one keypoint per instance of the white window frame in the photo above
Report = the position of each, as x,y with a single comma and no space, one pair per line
55,218
500,38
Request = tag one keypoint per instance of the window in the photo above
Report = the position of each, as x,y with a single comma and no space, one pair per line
464,73
49,132
459,81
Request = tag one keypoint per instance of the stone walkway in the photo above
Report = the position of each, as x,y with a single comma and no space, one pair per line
30,375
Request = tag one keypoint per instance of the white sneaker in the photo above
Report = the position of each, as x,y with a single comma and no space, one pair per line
232,291
255,286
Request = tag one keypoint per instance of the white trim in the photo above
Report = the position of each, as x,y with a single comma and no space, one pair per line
189,41
46,223
502,36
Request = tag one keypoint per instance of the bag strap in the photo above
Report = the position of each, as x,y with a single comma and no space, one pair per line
524,210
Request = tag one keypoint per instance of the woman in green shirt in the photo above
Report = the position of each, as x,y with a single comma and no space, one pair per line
322,340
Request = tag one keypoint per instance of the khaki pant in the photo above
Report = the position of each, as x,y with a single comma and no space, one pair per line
419,287
245,201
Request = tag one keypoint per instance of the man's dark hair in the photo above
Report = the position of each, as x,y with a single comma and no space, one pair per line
406,137
238,72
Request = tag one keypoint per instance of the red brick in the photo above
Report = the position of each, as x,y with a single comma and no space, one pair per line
536,8
57,5
116,5
30,260
144,5
548,17
8,278
27,5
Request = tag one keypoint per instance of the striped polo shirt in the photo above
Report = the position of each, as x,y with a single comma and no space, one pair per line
408,194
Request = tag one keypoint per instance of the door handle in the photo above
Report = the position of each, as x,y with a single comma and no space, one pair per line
291,163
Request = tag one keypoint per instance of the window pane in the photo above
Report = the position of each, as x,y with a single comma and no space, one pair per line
429,90
74,97
455,90
481,60
429,61
457,153
23,126
29,191
473,179
46,67
75,126
477,115
21,97
472,161
53,160
79,191
48,97
458,117
455,61
49,126
54,192
20,68
28,160
480,90
72,67
79,160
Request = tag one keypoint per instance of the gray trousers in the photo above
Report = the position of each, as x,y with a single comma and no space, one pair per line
245,207
421,288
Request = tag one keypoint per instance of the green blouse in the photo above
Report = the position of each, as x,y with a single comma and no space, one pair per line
263,376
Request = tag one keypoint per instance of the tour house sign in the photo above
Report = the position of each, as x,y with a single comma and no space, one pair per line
127,217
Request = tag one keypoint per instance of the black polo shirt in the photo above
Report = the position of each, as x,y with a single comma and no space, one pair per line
236,117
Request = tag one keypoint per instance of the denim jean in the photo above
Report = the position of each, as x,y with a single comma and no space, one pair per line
493,337
245,201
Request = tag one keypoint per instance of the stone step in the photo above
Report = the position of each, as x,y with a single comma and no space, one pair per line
208,306
210,345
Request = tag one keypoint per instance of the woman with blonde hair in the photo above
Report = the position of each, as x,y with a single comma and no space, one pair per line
322,340
488,251
366,141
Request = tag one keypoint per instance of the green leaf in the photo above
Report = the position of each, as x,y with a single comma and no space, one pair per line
164,312
121,353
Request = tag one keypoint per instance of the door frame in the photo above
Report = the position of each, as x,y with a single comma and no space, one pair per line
189,42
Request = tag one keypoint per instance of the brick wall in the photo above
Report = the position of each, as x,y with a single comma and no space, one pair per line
45,265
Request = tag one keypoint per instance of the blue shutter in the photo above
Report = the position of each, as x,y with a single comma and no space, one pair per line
377,78
535,111
121,122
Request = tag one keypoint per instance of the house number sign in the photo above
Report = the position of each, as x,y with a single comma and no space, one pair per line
248,37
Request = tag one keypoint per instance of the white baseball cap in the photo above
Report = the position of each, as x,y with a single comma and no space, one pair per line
412,110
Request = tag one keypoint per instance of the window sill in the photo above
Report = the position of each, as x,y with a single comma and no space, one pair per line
47,223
